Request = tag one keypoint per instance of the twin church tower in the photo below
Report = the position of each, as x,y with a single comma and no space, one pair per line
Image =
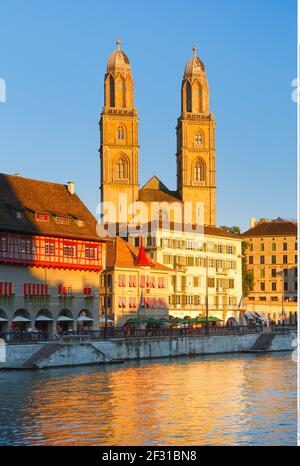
119,150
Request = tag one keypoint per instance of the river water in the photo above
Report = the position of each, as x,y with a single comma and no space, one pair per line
210,400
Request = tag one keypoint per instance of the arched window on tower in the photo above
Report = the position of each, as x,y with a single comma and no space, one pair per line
122,171
123,94
112,91
188,97
199,171
198,138
120,133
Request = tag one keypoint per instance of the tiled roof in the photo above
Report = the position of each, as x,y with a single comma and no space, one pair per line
207,229
121,254
275,228
35,196
154,190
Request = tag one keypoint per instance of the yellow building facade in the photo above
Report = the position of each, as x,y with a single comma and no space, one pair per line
119,148
272,256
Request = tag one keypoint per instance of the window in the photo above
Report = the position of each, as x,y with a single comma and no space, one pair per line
296,286
262,286
285,246
250,259
19,214
188,97
112,91
6,289
251,247
41,217
286,286
296,259
273,273
69,250
3,244
263,298
64,290
211,282
273,246
261,260
91,252
49,248
274,286
274,298
122,169
198,138
231,283
285,259
285,272
262,247
262,273
199,171
26,246
62,220
296,246
132,281
88,292
120,133
273,259
122,280
35,289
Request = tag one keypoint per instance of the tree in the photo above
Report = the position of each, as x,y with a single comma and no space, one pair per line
234,229
247,275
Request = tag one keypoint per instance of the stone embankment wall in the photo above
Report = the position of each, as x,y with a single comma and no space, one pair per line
118,350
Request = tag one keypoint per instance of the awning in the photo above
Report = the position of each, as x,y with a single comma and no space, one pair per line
21,319
260,316
64,319
43,319
248,315
84,318
102,319
2,319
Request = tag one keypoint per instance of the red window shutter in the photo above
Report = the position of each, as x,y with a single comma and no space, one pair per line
64,290
142,281
84,291
59,290
0,288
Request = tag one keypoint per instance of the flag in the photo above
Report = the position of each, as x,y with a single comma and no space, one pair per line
241,302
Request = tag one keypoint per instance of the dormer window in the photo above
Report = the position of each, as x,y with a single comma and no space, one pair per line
41,217
62,220
19,214
80,222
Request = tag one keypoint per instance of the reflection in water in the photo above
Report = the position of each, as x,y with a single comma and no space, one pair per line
213,400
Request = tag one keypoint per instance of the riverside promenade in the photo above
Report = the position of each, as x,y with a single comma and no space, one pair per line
108,346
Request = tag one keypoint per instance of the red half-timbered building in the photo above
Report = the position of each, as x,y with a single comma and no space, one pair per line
50,257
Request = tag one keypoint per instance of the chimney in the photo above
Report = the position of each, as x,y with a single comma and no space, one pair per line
71,187
252,222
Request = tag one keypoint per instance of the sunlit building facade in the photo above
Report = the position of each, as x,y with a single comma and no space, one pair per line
50,257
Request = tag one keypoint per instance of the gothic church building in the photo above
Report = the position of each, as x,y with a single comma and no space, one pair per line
119,149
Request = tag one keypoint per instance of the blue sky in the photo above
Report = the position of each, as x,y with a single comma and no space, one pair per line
53,58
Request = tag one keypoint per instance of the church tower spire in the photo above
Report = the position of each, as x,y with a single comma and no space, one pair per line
196,141
119,134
